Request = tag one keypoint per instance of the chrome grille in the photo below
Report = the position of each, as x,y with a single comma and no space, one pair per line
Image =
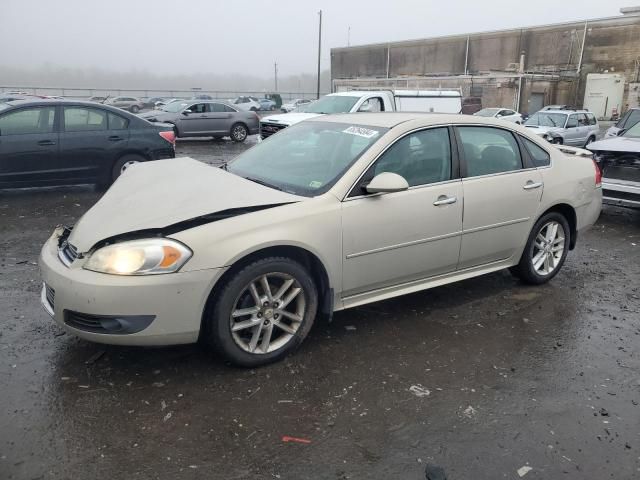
267,129
50,295
67,253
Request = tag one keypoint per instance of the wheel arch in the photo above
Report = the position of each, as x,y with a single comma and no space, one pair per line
305,257
568,212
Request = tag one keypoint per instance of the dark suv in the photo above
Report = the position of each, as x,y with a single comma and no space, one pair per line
63,142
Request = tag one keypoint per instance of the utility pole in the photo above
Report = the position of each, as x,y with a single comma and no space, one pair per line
349,36
319,50
275,71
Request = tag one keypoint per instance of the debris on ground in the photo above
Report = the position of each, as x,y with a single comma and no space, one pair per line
349,327
419,391
288,439
469,412
95,357
434,472
522,471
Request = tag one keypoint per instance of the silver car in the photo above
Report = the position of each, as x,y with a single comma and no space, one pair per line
206,118
576,128
331,213
627,121
134,105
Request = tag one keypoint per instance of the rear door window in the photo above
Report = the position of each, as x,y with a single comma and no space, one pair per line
489,150
216,107
116,122
28,121
82,119
538,154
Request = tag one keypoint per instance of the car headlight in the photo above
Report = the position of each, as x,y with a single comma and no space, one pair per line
139,257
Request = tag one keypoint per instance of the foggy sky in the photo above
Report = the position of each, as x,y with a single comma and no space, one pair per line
247,36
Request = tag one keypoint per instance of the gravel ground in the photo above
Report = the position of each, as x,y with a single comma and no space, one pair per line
481,378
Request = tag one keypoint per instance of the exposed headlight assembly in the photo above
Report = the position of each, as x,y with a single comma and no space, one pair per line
139,257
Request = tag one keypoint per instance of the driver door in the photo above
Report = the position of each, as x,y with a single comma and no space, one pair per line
194,122
394,238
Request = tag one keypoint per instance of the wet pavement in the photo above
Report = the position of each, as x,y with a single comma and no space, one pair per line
480,378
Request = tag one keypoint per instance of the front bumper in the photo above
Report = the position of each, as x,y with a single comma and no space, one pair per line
622,193
171,304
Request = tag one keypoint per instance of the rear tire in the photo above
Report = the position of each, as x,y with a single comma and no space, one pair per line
557,141
239,132
134,109
545,251
245,312
123,163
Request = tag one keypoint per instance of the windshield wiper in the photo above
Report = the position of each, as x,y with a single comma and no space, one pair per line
262,182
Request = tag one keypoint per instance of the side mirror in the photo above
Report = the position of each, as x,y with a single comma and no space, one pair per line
186,112
365,107
387,182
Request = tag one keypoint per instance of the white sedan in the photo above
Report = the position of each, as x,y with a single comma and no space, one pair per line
329,214
501,113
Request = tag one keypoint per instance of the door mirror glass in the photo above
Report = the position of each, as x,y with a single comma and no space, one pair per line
387,182
186,112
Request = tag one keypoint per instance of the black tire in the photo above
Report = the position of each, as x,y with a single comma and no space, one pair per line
239,132
134,109
557,141
217,322
122,163
272,108
590,140
253,109
525,270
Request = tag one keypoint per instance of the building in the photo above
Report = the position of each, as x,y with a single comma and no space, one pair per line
524,68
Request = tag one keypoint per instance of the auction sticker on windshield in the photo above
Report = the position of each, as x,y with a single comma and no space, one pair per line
360,131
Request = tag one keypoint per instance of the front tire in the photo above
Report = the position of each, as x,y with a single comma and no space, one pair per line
239,132
123,163
591,139
545,251
134,109
263,312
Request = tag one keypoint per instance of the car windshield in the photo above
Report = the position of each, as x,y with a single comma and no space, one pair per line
332,104
174,107
545,119
306,159
487,112
633,132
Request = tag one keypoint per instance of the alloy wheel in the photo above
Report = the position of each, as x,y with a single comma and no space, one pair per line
268,313
548,248
239,133
127,165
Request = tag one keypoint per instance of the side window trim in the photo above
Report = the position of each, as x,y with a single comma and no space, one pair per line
455,163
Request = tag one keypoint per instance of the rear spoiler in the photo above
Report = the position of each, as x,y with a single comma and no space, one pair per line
574,151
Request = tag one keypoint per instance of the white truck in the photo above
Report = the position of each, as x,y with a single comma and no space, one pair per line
438,101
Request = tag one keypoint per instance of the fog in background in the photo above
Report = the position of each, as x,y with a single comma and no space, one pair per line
224,45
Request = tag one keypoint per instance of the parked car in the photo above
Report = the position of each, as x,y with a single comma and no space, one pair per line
246,104
266,104
61,142
206,118
10,97
132,104
202,96
294,104
628,120
501,113
152,101
557,107
619,160
566,127
276,98
329,214
160,103
98,99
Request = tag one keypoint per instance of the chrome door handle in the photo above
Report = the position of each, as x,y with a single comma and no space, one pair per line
531,185
444,200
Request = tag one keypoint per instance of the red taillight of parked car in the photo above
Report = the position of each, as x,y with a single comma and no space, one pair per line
598,174
169,137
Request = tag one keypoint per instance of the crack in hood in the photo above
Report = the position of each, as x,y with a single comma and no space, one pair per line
155,195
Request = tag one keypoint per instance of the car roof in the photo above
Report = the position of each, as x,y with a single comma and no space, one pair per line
392,119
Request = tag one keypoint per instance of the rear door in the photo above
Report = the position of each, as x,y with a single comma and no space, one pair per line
87,145
220,118
502,192
29,145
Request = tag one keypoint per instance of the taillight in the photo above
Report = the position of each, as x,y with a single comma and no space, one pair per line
169,136
598,174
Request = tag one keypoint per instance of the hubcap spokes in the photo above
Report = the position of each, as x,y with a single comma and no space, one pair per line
548,248
267,313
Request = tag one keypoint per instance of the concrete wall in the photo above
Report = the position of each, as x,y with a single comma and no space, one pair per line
610,45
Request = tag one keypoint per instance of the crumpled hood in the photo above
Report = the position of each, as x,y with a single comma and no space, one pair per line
616,144
541,129
154,195
289,118
158,115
